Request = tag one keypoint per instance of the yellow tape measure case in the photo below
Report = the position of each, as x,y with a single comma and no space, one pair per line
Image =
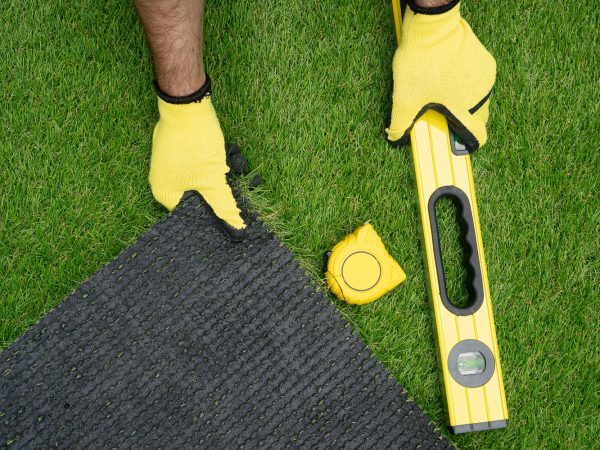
360,269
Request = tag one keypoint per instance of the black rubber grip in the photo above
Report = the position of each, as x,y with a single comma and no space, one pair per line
469,244
235,160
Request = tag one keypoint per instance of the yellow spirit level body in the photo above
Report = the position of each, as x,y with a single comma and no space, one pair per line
465,336
475,398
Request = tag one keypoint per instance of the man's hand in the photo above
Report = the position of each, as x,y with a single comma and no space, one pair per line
440,64
188,149
188,154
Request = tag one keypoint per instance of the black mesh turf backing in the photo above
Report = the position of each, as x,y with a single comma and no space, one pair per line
188,340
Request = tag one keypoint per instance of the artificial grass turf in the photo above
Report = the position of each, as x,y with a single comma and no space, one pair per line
305,88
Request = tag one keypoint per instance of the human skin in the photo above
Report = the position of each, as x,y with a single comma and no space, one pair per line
431,3
175,34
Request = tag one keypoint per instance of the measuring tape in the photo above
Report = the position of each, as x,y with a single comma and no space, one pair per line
359,268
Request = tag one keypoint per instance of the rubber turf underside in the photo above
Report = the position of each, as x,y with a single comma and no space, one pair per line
187,340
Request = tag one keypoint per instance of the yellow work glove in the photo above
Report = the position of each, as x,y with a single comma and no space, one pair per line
188,154
441,65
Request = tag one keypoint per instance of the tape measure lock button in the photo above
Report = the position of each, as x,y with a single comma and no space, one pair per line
361,270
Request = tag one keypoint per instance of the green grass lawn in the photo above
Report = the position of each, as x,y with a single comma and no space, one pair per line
305,88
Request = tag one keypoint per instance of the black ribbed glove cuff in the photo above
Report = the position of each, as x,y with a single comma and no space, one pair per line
193,97
435,10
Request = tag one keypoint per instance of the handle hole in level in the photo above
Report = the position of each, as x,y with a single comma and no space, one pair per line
453,253
460,265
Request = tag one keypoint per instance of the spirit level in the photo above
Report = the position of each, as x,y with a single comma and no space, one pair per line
465,335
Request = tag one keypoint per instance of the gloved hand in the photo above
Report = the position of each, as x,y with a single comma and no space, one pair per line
188,154
440,64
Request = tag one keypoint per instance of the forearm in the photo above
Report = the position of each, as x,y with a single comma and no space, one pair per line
174,31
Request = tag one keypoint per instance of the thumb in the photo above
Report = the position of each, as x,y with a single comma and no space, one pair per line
221,200
169,198
404,114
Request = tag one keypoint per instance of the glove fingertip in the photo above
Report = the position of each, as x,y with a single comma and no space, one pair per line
226,211
232,149
401,122
256,181
234,234
398,138
169,200
404,140
236,160
235,228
